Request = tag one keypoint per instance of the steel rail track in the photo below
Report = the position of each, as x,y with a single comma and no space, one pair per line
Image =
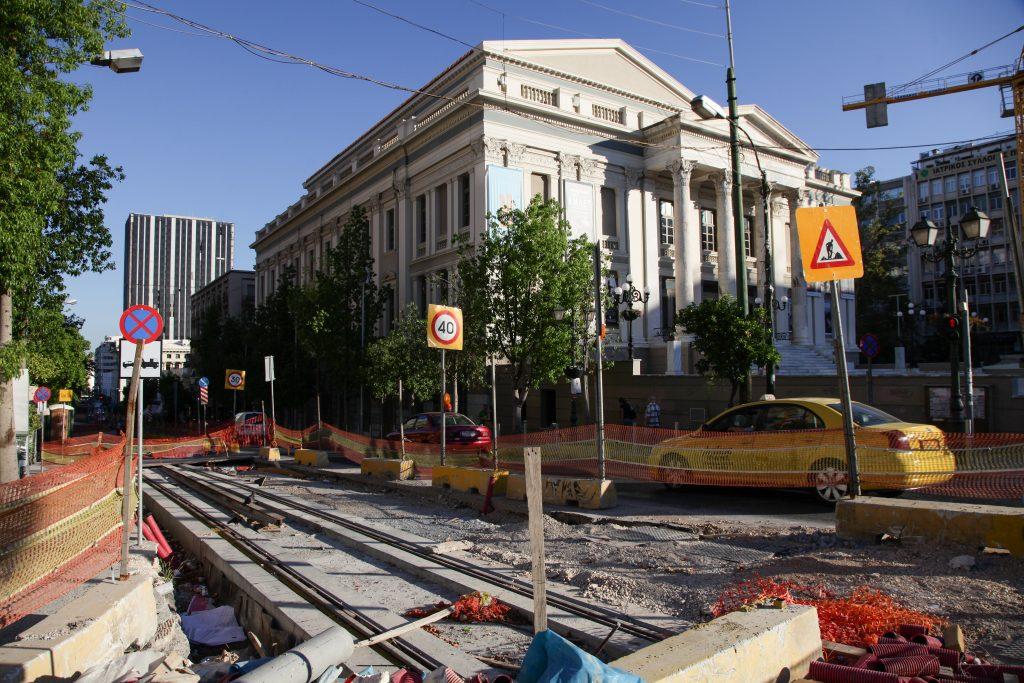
595,613
396,649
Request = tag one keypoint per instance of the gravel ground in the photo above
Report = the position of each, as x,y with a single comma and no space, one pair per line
681,573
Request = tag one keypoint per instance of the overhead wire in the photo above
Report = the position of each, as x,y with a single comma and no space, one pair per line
649,20
280,56
904,86
576,32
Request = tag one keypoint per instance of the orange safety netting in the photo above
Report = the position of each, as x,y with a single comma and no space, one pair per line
58,529
859,619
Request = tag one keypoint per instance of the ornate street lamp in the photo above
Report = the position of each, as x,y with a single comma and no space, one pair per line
628,296
975,225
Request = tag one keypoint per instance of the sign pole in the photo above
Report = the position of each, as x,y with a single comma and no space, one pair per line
494,413
401,418
871,382
968,366
444,429
138,412
273,414
844,388
126,500
599,370
263,414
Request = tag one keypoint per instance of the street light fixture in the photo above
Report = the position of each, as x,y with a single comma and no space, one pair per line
628,296
975,225
120,61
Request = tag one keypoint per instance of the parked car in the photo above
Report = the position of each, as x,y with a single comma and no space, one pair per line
799,443
460,431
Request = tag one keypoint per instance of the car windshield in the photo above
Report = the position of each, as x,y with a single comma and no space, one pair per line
866,416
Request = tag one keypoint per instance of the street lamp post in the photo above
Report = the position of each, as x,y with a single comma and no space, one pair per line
974,225
628,296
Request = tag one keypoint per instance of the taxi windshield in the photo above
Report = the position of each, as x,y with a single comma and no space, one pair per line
866,416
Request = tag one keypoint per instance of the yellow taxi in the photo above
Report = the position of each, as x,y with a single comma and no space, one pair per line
798,443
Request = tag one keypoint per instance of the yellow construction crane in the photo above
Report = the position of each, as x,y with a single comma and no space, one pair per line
1009,79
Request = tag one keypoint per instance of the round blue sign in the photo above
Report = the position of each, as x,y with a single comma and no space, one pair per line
869,345
42,394
204,382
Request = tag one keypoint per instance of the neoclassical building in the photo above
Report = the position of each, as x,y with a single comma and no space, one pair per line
613,137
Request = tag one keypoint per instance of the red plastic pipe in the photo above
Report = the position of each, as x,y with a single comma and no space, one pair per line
147,533
151,523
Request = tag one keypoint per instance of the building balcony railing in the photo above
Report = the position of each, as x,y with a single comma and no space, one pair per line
667,251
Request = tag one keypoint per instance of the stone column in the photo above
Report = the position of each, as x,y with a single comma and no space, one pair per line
780,260
727,266
686,236
631,240
757,238
798,296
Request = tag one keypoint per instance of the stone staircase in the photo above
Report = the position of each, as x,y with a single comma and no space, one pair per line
805,359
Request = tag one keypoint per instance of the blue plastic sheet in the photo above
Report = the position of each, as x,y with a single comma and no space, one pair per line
553,659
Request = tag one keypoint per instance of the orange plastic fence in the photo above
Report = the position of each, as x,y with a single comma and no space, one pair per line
58,529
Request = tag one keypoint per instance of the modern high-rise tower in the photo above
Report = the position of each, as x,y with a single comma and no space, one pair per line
168,258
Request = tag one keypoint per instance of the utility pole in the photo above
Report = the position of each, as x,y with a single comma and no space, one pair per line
737,187
599,370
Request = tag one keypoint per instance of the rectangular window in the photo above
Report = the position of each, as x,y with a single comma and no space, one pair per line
464,200
389,230
441,210
421,219
666,222
609,217
938,213
993,175
421,294
981,202
708,231
312,263
995,201
964,180
922,191
668,304
748,231
936,187
951,184
999,256
998,284
539,186
1011,170
951,209
984,286
979,178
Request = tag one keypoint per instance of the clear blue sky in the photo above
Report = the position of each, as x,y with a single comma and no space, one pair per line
207,129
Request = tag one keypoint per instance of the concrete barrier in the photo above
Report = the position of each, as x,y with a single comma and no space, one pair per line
592,494
759,646
270,453
94,628
967,524
388,468
311,458
468,479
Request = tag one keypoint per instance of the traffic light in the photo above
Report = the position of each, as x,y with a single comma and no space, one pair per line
951,326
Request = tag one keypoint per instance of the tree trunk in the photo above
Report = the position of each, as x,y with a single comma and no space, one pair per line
519,400
8,447
733,388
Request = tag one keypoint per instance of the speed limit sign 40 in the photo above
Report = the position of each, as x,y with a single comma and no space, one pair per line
444,327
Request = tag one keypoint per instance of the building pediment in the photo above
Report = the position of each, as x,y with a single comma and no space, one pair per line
610,62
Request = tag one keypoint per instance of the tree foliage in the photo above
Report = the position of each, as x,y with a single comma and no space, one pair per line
728,342
402,354
526,266
882,244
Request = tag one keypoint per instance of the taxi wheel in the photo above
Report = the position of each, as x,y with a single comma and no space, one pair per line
680,472
828,481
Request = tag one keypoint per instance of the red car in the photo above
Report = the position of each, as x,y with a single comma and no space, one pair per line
461,431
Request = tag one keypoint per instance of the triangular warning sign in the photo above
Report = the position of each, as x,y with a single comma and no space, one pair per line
830,252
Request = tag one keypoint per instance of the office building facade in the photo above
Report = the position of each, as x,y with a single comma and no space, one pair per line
942,187
168,258
233,294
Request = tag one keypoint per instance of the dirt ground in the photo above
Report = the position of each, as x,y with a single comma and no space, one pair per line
680,570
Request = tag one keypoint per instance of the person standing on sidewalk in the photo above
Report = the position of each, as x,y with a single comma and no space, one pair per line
652,414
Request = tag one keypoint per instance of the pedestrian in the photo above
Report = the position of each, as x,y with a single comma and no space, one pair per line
628,413
652,414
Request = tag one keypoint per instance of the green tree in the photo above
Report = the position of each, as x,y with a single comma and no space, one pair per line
49,200
885,258
340,308
402,354
728,342
526,266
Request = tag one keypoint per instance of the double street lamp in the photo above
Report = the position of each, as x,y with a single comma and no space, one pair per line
974,225
628,296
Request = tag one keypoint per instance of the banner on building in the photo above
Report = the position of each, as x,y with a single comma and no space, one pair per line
578,200
504,188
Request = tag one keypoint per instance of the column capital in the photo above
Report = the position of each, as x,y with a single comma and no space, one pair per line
567,163
681,168
514,152
723,180
633,176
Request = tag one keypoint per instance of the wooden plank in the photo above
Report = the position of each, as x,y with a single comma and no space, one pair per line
535,508
845,650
